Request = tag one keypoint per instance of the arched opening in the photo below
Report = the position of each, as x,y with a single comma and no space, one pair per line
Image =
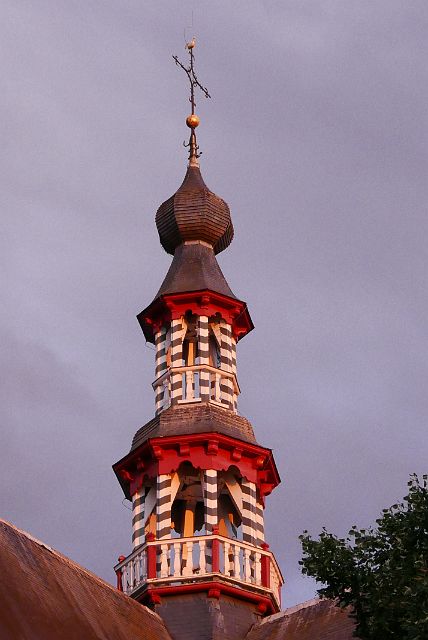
190,352
215,341
187,514
150,509
190,343
230,504
229,520
214,351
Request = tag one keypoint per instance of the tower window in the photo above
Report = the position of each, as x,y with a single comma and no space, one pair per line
215,359
190,342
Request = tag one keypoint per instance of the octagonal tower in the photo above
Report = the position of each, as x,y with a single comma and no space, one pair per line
195,474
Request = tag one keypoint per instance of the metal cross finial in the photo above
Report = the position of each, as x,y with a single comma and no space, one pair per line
192,121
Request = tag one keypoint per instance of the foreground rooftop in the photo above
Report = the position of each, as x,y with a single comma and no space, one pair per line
45,595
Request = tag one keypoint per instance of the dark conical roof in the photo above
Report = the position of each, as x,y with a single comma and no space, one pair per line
194,268
194,213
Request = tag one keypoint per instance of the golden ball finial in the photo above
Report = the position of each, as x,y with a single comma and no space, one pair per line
192,121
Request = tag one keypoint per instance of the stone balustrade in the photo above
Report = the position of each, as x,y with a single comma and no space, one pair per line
190,377
170,560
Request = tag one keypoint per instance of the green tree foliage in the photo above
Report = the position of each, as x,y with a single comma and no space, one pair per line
380,573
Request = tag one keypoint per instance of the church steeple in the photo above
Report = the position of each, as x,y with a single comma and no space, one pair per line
196,475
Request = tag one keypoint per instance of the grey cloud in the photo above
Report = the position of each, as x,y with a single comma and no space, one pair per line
317,137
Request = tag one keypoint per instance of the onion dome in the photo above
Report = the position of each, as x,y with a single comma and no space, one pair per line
194,213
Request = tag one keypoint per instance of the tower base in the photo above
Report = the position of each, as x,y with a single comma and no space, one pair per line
197,615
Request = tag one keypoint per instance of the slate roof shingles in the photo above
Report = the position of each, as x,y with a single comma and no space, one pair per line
44,595
312,620
200,418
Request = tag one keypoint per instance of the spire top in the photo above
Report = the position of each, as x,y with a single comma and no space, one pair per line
192,120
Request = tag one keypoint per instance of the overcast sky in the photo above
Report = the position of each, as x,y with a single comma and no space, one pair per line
316,136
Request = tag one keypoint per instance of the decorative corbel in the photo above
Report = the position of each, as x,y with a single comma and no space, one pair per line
212,447
157,452
183,449
236,454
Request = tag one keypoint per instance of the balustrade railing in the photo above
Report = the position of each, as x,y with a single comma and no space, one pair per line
190,384
173,559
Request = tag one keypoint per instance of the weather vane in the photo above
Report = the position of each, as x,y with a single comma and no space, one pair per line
192,121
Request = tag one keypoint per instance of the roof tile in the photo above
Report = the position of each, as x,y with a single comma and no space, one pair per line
312,620
44,596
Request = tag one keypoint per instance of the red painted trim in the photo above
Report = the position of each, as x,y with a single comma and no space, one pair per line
220,438
155,598
205,451
201,460
119,574
262,602
204,302
215,552
265,567
212,439
151,557
212,448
